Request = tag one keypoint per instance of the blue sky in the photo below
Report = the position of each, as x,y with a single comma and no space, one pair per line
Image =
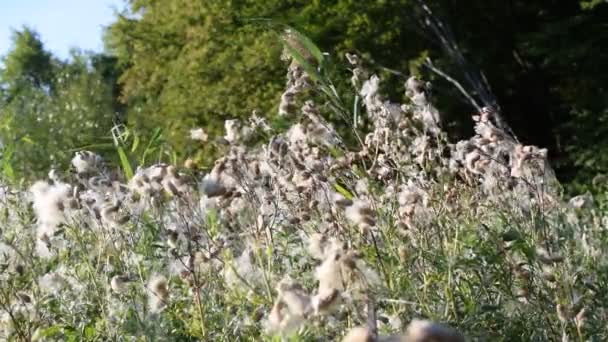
62,24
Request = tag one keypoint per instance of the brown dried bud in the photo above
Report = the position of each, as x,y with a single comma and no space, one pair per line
24,298
189,164
562,313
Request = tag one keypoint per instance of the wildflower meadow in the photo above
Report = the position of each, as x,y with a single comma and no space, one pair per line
370,227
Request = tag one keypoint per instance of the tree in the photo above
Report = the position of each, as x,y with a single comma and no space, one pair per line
28,62
196,63
50,107
192,63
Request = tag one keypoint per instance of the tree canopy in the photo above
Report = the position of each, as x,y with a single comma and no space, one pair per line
50,107
180,64
196,63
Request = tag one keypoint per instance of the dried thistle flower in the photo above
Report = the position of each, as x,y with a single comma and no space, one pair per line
581,201
342,269
244,271
341,201
159,293
86,162
325,301
52,282
120,283
317,245
291,308
562,313
361,215
295,298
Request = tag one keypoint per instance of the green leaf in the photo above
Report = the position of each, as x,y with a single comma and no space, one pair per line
307,43
152,145
28,140
89,332
342,190
124,162
135,143
51,331
297,56
7,164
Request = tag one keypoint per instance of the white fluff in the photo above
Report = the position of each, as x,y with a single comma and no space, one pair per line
48,201
52,282
86,161
198,134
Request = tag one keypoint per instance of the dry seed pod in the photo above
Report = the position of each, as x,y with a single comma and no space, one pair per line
24,297
159,295
189,164
341,201
123,219
325,300
119,283
19,269
562,313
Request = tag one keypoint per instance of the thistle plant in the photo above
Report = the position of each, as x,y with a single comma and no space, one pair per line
402,235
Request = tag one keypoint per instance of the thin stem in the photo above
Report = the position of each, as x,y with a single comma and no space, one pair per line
457,84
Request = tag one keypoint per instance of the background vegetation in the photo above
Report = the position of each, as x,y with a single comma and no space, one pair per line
180,64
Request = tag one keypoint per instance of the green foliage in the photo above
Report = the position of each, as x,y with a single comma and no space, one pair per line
181,64
196,63
192,63
131,149
49,107
28,63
